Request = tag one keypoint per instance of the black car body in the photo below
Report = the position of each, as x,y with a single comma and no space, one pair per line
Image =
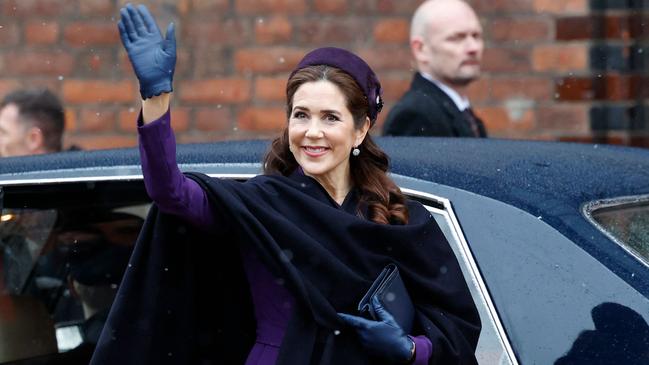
553,238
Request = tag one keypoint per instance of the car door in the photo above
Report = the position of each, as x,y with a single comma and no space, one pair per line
549,300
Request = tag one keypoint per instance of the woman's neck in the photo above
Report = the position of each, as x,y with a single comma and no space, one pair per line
338,194
336,187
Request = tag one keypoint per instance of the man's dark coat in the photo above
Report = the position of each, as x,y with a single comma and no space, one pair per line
185,300
426,110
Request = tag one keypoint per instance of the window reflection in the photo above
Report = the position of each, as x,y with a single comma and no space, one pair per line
620,336
60,271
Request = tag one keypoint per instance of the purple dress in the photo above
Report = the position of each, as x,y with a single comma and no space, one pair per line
178,195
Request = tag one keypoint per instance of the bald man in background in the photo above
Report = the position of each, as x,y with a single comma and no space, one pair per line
446,42
31,123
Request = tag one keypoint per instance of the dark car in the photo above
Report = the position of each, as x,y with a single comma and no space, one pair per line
553,240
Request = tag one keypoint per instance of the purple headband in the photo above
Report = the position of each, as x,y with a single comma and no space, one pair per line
355,67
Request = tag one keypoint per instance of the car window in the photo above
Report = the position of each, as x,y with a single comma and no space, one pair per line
26,326
63,251
627,221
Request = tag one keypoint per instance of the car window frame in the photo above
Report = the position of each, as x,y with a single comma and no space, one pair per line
442,206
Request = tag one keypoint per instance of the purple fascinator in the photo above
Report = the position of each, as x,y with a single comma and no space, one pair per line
355,67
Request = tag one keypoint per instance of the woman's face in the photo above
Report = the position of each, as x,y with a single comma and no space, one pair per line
321,131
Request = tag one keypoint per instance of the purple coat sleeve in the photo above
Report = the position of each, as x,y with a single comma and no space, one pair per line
165,184
423,350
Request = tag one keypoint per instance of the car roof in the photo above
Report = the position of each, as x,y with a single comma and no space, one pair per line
522,173
526,174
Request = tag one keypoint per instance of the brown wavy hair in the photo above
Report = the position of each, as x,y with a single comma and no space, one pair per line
384,199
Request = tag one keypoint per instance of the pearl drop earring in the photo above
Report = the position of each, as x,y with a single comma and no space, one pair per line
356,151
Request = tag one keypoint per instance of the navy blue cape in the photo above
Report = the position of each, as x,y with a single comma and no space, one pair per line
185,300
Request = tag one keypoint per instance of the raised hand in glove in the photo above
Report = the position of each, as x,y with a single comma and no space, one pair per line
383,338
153,57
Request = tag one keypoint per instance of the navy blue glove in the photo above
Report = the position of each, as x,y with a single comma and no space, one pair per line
153,58
383,338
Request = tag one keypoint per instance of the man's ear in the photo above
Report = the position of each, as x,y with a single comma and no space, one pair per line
416,46
34,139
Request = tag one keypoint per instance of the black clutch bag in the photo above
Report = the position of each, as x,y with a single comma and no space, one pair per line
389,288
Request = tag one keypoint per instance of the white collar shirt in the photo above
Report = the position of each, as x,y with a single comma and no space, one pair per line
460,101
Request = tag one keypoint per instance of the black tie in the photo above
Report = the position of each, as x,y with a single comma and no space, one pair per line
472,120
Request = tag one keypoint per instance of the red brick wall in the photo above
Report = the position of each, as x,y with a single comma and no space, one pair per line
554,70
